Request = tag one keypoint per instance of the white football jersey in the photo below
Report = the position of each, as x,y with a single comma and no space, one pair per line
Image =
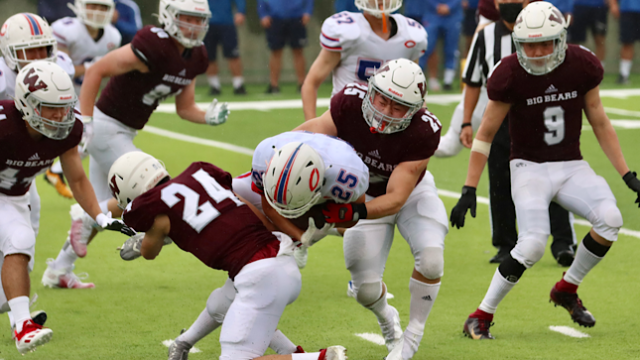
362,51
8,76
346,177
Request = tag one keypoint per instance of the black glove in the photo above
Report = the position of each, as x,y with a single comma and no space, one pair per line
633,183
467,201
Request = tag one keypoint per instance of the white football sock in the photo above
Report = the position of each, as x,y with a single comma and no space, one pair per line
56,167
625,68
498,289
583,263
104,206
423,296
12,320
381,308
202,327
281,344
237,81
20,308
449,74
306,356
65,258
214,81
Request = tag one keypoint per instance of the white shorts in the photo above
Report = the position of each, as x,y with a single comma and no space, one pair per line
34,202
111,140
422,221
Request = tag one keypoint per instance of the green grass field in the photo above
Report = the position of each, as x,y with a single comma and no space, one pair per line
137,305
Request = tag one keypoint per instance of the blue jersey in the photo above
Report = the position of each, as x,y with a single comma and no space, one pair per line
565,6
591,3
221,13
414,8
473,4
53,10
284,9
129,20
629,5
431,6
345,5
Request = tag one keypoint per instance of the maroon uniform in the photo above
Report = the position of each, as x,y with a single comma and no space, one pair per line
383,152
21,157
487,8
545,119
206,218
132,97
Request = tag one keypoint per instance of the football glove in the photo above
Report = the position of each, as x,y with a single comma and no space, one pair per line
633,183
217,114
130,250
313,234
109,223
87,134
338,213
467,201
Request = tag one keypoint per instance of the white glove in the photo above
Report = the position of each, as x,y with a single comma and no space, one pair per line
88,64
109,223
217,114
313,234
87,134
130,250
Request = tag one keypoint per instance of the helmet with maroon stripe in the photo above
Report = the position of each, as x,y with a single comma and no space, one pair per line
293,180
22,32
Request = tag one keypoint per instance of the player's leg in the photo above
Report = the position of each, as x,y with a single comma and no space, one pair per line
629,34
431,23
55,177
211,41
450,143
366,248
588,195
452,28
276,41
422,221
564,237
298,40
231,52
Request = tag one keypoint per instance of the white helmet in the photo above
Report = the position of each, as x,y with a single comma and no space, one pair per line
25,31
44,83
133,174
95,18
541,21
402,81
293,180
170,10
379,7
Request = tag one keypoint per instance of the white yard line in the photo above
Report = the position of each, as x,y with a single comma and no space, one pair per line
569,331
168,343
371,337
624,112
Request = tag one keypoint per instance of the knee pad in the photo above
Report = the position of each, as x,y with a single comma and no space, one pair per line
220,300
430,262
368,293
530,249
609,221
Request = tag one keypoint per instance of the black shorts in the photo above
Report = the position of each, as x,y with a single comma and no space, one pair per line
286,31
225,35
588,18
470,22
629,29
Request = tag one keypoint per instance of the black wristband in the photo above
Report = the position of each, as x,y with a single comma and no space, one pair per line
629,176
359,211
464,125
468,190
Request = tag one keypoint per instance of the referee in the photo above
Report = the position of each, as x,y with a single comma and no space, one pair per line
490,44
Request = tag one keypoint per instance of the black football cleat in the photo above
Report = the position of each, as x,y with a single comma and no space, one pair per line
240,90
565,257
573,304
502,254
215,91
477,329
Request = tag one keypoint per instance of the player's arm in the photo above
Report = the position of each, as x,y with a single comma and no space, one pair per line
116,62
154,237
471,96
280,222
187,109
321,125
268,224
321,68
78,182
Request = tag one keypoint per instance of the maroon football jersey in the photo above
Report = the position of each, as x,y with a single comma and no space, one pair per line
382,152
545,119
132,97
487,8
21,157
206,218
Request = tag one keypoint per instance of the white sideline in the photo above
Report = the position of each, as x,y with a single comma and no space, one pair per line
371,337
193,350
569,331
247,151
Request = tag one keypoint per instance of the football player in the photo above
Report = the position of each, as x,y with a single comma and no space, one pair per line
37,126
544,89
355,44
395,136
226,235
159,62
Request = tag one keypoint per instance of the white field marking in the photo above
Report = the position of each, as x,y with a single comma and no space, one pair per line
569,331
622,112
390,296
626,124
247,151
619,94
371,337
193,350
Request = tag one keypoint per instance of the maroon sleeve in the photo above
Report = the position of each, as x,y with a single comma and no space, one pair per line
222,177
149,46
139,214
592,69
500,80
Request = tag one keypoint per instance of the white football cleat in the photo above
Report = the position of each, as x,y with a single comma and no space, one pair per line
336,352
82,226
32,335
64,278
301,254
391,330
179,350
396,353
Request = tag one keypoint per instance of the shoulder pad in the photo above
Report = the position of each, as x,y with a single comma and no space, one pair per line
64,61
340,29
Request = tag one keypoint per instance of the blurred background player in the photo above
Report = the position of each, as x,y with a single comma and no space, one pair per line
228,235
222,31
590,15
354,45
345,5
128,20
628,11
414,9
285,22
54,10
442,20
396,136
158,63
469,26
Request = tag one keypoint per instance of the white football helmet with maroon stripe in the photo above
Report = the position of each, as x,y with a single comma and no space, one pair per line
95,18
133,174
294,179
187,34
25,31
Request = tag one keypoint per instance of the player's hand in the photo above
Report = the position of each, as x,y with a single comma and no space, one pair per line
313,234
266,22
633,183
305,19
443,9
239,19
614,9
466,136
217,114
87,134
108,223
130,250
339,213
467,201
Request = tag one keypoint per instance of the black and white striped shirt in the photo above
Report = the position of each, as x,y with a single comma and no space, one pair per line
489,46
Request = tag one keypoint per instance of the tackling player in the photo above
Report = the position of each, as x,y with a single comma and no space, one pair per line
544,88
36,127
226,235
395,136
355,44
158,63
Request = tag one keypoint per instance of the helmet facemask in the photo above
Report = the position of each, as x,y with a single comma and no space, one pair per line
543,64
379,7
187,33
53,129
96,18
14,51
22,32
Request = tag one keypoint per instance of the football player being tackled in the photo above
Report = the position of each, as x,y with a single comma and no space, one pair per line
544,88
158,63
227,235
37,126
389,128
